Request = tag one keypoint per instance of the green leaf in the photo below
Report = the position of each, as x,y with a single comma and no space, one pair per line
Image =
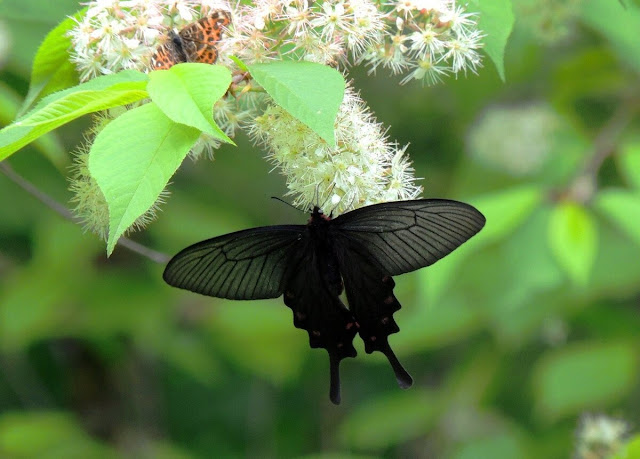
133,158
41,285
52,69
186,94
583,377
391,420
517,285
310,92
573,240
337,455
434,327
629,159
623,209
618,24
631,450
59,108
47,435
498,446
260,339
504,211
496,21
49,144
121,81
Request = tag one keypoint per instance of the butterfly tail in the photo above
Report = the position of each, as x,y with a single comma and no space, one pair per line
404,379
334,387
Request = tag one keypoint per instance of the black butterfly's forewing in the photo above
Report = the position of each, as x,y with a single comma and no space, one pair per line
245,265
404,236
379,241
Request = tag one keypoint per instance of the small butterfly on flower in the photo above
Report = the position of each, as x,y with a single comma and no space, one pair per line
195,42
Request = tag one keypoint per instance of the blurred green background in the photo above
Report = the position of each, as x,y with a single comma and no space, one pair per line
509,340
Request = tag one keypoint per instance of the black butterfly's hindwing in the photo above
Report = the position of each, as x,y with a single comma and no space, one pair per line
245,265
371,299
312,291
310,265
407,235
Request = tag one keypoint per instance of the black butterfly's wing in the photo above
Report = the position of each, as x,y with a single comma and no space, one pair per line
245,265
403,236
265,263
376,242
312,291
371,299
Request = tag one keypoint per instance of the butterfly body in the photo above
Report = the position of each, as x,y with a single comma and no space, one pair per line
311,265
196,42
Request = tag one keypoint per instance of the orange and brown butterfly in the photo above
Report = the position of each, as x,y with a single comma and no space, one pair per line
195,42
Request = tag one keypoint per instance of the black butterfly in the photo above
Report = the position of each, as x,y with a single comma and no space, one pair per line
310,264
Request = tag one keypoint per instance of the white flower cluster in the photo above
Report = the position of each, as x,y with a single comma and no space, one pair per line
425,39
600,436
117,35
515,139
363,168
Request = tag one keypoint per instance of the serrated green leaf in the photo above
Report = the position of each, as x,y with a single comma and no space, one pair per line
573,240
583,377
310,92
186,94
504,211
133,158
121,81
52,69
64,106
496,21
623,209
618,24
49,144
629,159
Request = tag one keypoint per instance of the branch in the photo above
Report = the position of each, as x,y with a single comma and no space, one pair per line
157,257
584,184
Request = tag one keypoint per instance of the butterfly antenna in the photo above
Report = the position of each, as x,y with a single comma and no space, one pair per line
404,379
334,370
287,203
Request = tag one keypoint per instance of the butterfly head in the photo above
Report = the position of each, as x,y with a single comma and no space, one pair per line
317,215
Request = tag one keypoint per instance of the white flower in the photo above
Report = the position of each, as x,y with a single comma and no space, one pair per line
363,168
461,52
599,436
426,41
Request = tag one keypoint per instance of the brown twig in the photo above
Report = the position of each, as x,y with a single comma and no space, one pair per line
61,210
584,184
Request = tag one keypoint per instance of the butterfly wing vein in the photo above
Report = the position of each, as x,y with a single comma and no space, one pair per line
404,236
248,264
